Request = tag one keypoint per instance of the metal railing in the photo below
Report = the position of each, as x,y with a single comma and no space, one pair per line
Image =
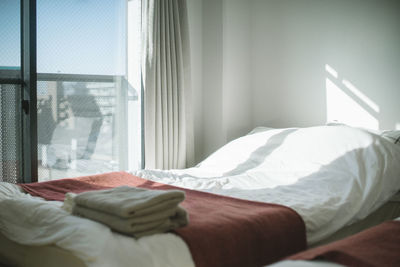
63,99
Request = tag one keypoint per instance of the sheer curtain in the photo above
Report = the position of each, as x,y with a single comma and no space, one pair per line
168,124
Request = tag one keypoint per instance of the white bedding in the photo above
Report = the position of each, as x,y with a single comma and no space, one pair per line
32,221
332,176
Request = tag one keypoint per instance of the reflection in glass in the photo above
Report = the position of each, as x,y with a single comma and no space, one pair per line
88,112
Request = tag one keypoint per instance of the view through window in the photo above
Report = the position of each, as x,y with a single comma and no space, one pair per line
10,91
88,91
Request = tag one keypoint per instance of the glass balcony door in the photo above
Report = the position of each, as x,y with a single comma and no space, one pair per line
69,88
88,92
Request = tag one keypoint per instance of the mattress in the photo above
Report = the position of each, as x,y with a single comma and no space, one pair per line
13,254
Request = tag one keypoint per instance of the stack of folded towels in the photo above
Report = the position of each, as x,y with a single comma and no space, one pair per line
131,210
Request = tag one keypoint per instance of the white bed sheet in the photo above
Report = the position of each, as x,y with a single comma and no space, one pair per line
332,176
33,221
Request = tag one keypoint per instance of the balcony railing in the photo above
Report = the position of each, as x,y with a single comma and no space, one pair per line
83,123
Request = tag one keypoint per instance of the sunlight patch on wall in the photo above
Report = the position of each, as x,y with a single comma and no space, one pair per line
397,127
361,96
342,108
330,70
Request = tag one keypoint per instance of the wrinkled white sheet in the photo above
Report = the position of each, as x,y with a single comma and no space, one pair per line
332,176
33,221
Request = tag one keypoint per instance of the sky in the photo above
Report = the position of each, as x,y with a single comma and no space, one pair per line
73,36
9,33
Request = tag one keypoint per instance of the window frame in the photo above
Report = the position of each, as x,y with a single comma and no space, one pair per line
29,168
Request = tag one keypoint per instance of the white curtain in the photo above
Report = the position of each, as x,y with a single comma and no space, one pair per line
168,125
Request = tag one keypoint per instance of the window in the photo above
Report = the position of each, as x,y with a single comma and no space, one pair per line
88,85
10,91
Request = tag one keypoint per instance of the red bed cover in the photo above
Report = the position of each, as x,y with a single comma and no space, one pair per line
378,246
222,231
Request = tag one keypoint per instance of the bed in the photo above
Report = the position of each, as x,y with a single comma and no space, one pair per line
377,246
339,179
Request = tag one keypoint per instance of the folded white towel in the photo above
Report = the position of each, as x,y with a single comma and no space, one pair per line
69,202
128,202
129,210
138,226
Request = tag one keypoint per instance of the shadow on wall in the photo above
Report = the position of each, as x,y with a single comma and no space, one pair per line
345,103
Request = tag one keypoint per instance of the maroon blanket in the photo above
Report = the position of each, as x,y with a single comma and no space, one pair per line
376,247
222,231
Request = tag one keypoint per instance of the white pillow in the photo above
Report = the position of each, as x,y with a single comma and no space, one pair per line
260,129
335,123
394,136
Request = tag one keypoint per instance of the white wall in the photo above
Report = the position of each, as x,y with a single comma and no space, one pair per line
226,94
195,17
237,95
293,41
264,62
213,126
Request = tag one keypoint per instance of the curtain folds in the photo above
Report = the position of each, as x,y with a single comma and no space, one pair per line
168,124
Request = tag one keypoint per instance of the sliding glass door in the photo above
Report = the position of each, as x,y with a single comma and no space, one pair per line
88,110
87,88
